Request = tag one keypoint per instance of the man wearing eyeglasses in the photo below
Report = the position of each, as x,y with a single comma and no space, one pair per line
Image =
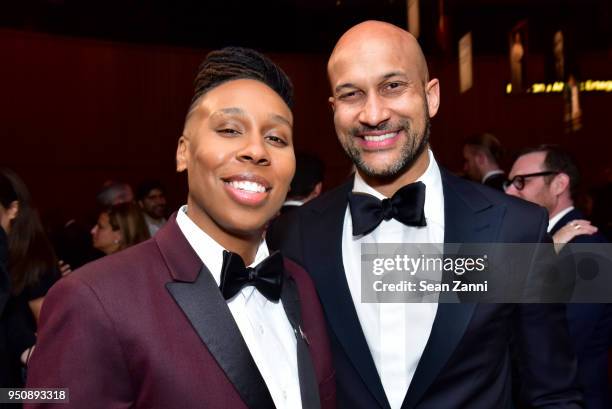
548,176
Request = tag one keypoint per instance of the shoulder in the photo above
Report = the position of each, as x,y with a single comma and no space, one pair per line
477,194
123,269
287,226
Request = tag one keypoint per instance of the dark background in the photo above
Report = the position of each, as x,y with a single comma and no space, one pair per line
97,90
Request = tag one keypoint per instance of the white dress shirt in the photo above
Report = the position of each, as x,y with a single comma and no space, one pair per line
554,220
263,324
396,333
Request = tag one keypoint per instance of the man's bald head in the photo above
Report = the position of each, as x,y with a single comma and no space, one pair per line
371,35
382,100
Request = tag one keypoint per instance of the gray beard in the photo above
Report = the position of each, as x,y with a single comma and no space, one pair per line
410,152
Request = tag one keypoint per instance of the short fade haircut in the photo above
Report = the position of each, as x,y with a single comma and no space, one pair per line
234,63
309,171
488,144
558,160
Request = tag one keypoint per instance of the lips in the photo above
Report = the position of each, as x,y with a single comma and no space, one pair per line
247,189
378,140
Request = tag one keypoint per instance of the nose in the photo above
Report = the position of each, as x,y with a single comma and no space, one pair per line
94,230
512,191
254,151
374,111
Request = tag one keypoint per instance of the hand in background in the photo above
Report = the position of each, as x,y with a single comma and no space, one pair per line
569,231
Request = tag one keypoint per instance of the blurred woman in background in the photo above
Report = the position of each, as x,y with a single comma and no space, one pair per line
32,268
119,227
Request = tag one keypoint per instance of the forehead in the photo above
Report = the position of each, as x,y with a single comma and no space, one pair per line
529,163
252,97
155,192
372,60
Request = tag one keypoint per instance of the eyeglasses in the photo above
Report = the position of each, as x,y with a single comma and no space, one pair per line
518,181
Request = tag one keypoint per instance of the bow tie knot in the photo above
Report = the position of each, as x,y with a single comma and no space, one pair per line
266,277
406,206
387,209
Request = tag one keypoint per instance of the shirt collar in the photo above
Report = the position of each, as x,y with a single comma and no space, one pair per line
491,173
293,203
554,220
434,195
209,251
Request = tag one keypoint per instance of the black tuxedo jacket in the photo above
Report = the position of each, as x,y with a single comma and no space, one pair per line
466,362
590,328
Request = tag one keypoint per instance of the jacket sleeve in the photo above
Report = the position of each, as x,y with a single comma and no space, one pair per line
547,362
78,348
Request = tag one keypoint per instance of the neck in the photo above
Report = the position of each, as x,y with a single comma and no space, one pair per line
562,204
488,167
388,186
243,244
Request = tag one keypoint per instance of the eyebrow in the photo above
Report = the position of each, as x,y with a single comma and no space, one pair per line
233,111
280,118
384,77
241,112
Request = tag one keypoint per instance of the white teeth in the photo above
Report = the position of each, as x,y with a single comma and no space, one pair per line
378,138
248,186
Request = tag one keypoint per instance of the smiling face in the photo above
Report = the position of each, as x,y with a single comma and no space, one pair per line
381,99
237,148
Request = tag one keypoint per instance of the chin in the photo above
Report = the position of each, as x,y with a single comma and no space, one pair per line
247,224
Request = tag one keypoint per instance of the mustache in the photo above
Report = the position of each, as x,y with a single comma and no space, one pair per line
385,126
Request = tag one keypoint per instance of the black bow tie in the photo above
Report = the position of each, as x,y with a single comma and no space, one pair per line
406,206
266,277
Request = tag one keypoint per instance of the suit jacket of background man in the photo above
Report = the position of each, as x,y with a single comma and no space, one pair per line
590,328
149,328
466,362
496,181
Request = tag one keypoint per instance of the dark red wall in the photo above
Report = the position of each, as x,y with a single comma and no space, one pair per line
76,112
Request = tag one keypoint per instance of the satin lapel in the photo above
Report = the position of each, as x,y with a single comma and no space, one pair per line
323,256
309,386
207,311
468,218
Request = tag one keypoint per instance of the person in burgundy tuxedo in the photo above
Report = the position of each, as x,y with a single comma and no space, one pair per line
179,321
417,355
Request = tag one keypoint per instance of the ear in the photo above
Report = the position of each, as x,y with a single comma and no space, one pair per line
432,92
316,191
13,210
332,103
117,236
480,158
560,184
182,154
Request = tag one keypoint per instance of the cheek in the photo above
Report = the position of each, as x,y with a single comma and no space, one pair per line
344,117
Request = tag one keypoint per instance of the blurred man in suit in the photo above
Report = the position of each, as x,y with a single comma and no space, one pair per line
549,177
482,154
307,182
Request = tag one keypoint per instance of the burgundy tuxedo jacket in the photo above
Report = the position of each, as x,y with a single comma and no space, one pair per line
148,328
